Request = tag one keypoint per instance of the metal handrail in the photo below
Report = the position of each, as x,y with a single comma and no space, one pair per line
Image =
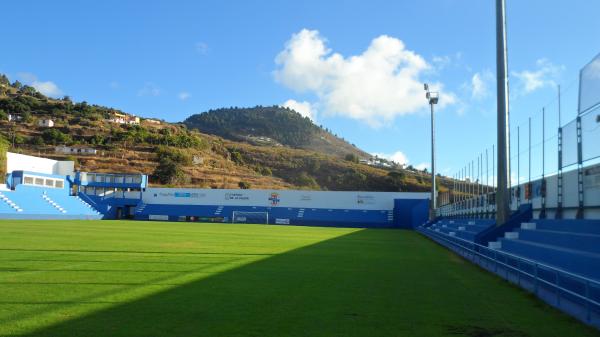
587,283
552,268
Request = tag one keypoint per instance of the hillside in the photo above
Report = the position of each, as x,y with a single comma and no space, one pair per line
272,126
174,155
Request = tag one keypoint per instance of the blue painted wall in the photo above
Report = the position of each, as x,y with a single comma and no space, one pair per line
410,213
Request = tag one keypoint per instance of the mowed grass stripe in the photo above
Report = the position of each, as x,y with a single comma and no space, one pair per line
119,278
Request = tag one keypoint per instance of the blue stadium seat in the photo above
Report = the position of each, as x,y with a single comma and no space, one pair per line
28,202
571,245
466,229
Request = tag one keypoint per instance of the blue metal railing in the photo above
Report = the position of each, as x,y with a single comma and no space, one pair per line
574,294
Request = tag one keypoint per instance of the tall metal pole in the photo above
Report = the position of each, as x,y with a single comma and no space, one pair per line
487,183
494,177
473,177
529,160
503,132
481,172
463,184
487,173
559,121
433,199
518,167
478,174
542,214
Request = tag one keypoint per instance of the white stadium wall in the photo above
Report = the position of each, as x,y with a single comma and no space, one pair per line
21,162
591,194
278,198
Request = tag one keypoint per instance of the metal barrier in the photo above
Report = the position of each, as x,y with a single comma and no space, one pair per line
573,294
555,166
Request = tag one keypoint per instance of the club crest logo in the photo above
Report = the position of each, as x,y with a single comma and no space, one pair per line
274,199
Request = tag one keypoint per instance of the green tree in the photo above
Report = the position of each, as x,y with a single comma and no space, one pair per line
37,141
55,137
4,144
4,80
177,156
244,185
351,157
26,117
236,157
305,180
169,172
28,90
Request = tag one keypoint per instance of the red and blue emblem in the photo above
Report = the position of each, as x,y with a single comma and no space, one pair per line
274,199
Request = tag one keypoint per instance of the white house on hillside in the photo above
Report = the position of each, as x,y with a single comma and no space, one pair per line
46,123
75,150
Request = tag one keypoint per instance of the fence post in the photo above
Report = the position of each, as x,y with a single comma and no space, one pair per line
535,280
529,164
519,272
496,262
559,178
557,283
579,170
559,175
587,301
518,168
543,187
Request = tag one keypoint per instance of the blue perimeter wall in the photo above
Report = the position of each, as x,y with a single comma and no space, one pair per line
410,213
407,213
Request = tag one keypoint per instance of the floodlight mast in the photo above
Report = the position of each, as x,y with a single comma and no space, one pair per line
503,130
432,99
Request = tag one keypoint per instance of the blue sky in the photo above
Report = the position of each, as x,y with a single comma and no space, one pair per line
353,65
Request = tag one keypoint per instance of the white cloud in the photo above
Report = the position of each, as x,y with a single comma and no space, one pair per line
47,88
149,89
376,86
201,48
445,61
184,95
305,108
545,75
480,83
397,157
441,62
422,166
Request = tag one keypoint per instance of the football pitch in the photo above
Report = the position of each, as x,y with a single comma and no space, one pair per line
126,278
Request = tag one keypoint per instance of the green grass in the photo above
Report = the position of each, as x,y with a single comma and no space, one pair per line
109,278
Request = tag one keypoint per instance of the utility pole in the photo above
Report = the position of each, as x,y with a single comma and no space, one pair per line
432,98
503,129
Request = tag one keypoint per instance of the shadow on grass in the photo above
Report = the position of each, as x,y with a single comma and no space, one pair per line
359,284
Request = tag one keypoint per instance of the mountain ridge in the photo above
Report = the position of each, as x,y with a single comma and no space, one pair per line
174,155
272,125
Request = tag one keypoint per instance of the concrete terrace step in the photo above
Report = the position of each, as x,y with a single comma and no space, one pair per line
577,241
570,225
575,261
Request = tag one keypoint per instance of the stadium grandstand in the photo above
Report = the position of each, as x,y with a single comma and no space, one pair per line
550,244
243,262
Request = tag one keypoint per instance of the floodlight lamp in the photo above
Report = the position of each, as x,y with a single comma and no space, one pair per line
433,97
426,87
